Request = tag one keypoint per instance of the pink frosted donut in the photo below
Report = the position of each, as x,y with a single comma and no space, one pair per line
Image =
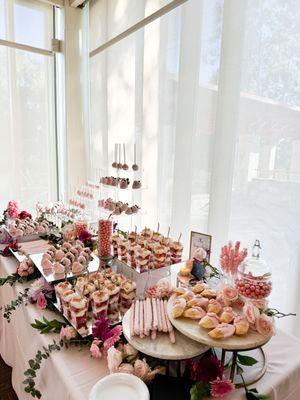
67,245
65,262
46,265
70,256
78,247
87,250
77,268
46,256
58,268
59,255
85,255
82,260
74,251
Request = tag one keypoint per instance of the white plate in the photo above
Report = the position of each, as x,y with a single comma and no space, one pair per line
120,386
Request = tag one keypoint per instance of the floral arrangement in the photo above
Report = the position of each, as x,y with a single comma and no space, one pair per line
104,337
209,374
232,257
210,381
125,359
40,293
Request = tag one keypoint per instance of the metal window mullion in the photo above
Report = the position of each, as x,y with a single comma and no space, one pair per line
141,24
25,47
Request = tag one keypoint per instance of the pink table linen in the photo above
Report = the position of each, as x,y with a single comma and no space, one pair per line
70,374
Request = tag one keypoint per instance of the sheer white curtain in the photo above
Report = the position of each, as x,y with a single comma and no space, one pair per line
211,95
28,149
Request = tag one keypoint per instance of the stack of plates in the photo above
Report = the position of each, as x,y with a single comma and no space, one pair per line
120,386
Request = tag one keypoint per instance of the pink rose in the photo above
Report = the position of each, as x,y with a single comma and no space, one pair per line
229,293
264,325
260,303
163,287
67,333
151,374
129,351
126,368
200,254
141,369
94,349
114,359
69,234
251,312
41,301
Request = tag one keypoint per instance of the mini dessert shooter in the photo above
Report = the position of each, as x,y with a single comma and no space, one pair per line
142,259
59,289
66,297
127,295
113,302
79,313
100,303
131,248
123,250
176,249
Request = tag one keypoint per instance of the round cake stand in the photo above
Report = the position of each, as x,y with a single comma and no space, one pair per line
183,349
235,344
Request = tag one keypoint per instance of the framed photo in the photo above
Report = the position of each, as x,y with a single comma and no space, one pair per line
198,240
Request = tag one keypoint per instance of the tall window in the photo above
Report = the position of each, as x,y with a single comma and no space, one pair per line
210,92
27,117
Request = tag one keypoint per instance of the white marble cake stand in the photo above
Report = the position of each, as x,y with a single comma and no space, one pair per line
235,344
183,349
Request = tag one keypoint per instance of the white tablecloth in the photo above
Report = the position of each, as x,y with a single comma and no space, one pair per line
70,374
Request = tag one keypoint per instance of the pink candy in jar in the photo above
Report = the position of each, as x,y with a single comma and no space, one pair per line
104,235
254,277
254,287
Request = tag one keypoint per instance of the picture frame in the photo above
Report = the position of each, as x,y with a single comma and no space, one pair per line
198,239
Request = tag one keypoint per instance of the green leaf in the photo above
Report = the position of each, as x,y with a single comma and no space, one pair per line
31,363
199,391
239,370
246,360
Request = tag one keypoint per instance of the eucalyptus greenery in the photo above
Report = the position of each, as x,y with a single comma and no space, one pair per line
273,312
35,363
11,280
14,304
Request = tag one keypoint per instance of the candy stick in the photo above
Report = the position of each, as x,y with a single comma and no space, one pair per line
132,319
163,316
159,316
136,318
155,316
169,325
141,311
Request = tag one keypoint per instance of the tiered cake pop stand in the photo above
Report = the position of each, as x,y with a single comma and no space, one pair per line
251,341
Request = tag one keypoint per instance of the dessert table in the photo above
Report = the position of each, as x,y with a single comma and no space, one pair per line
70,374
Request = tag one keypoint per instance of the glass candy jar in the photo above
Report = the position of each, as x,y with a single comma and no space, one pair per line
254,277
